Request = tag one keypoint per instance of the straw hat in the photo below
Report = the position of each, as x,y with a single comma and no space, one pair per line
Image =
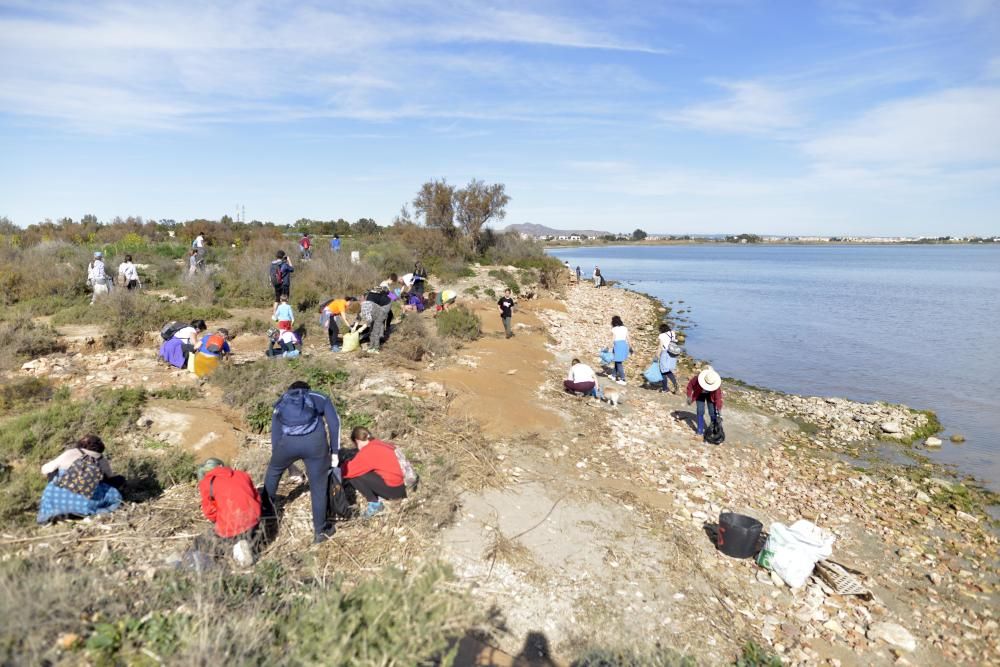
709,380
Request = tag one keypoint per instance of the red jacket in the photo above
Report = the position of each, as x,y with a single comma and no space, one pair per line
230,501
376,456
694,392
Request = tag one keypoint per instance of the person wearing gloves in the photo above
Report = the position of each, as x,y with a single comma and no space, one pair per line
305,427
705,388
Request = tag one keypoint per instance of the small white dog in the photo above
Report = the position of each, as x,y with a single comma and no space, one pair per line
614,396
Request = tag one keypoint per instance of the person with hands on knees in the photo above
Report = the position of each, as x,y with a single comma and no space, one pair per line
706,388
305,427
374,472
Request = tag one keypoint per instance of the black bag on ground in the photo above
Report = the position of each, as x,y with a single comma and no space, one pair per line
82,476
337,503
714,435
170,328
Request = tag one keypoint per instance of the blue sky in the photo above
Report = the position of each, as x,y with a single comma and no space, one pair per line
677,116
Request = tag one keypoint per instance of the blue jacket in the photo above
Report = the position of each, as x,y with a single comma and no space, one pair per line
285,416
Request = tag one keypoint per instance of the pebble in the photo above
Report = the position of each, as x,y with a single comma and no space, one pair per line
892,634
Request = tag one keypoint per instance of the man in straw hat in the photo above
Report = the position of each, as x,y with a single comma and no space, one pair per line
229,500
706,387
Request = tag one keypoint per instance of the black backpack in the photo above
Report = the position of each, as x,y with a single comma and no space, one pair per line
714,435
171,328
82,476
337,503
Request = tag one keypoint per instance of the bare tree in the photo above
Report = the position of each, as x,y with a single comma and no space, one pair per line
434,203
476,204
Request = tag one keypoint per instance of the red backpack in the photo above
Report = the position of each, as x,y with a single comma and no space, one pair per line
215,343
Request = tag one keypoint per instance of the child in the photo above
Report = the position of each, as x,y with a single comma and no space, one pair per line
283,314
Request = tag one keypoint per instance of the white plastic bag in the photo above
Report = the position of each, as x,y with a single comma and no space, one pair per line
792,551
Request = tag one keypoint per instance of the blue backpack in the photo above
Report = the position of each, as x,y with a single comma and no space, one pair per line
297,412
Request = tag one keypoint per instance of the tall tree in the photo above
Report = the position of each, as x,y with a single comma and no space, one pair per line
434,203
639,235
476,204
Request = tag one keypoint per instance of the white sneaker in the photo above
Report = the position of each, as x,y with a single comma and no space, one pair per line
243,554
621,382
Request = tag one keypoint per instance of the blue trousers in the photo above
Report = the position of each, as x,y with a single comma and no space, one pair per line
314,451
619,373
712,413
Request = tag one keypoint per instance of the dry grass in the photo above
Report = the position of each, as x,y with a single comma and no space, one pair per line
413,340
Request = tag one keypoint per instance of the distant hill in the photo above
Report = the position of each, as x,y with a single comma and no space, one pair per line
541,230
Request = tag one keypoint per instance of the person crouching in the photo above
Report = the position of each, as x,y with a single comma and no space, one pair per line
374,471
229,500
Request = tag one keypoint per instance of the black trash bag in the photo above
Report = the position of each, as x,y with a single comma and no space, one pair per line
714,435
338,504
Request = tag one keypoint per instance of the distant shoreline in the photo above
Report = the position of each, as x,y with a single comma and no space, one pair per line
825,244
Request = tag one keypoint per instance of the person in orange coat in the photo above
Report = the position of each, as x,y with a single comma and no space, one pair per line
231,502
374,471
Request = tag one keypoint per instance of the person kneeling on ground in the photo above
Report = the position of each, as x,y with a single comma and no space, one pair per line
229,500
581,378
80,482
374,472
706,388
283,344
305,427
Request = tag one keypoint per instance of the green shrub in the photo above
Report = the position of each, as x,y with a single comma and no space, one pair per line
24,340
150,472
459,322
24,391
753,655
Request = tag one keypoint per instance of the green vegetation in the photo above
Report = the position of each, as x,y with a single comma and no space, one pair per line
459,322
24,340
22,392
753,655
509,280
262,617
31,439
931,427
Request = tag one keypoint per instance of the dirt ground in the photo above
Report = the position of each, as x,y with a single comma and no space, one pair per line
602,535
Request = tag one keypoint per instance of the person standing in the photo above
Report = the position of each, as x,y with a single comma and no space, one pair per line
305,246
506,306
280,273
283,314
668,362
621,347
97,278
705,388
305,427
193,262
198,245
335,243
128,275
598,279
381,317
419,278
579,274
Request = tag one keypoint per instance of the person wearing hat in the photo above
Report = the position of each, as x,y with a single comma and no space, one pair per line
231,502
706,388
97,278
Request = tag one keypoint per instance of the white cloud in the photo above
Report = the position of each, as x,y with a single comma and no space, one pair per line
948,128
750,108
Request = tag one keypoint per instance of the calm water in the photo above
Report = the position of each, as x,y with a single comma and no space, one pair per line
918,325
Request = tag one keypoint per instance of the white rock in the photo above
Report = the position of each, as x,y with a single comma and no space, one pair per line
894,635
922,497
891,427
932,442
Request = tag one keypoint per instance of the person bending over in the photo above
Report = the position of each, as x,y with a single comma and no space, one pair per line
230,501
374,472
581,378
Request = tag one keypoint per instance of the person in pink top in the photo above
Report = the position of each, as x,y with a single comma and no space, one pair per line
374,471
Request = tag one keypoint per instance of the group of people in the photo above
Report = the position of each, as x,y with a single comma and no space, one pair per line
305,427
101,283
704,389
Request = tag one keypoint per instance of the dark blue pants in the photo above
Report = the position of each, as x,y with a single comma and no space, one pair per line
669,376
619,373
314,451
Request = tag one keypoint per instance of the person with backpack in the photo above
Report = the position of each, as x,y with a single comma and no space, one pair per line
80,482
669,352
128,275
705,388
283,314
375,471
231,502
305,246
305,427
97,277
280,273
